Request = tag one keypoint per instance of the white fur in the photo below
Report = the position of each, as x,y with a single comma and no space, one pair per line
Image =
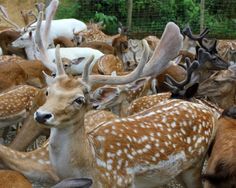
62,27
74,53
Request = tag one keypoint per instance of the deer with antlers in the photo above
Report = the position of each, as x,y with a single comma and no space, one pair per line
142,153
220,87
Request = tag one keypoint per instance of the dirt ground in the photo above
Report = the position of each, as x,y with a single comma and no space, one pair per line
13,8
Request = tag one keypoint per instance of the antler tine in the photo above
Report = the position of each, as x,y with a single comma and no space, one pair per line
203,56
85,75
6,17
4,12
32,22
50,12
60,68
40,6
39,45
187,31
191,68
205,32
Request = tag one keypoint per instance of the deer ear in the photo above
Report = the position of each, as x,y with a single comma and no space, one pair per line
103,95
74,183
49,79
30,34
78,60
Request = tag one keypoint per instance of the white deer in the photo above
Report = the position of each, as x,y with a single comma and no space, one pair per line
38,39
56,28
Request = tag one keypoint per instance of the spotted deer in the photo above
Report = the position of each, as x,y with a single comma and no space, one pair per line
38,160
153,146
93,33
220,87
18,71
18,105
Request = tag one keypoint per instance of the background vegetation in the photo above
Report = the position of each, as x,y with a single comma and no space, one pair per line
151,16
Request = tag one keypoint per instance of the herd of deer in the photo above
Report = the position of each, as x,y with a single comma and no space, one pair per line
121,112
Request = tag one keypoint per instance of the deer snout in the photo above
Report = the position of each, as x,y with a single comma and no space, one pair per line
42,117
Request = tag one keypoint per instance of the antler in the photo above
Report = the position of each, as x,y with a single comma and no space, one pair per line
178,86
159,61
187,31
50,12
40,46
6,17
30,13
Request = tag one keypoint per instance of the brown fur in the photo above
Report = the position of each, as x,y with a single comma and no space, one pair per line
220,88
63,42
13,179
101,46
221,168
16,71
6,38
107,64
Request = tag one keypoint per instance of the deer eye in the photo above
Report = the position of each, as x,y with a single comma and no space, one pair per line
79,100
46,93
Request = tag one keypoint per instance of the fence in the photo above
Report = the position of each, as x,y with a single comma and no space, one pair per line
149,17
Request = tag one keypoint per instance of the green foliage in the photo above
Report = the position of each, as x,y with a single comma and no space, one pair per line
151,16
110,22
68,9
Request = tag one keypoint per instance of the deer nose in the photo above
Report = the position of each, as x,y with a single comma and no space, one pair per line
42,117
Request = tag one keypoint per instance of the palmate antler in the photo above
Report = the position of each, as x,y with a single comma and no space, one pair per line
159,61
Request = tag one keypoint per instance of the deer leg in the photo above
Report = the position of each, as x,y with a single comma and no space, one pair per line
28,133
191,178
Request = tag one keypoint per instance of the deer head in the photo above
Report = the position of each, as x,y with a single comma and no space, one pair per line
220,87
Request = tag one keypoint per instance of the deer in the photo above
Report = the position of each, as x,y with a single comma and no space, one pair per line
38,159
7,36
136,160
221,167
226,49
220,88
117,98
17,71
47,56
94,33
18,105
56,29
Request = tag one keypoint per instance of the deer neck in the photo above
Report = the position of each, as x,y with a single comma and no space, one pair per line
29,52
70,152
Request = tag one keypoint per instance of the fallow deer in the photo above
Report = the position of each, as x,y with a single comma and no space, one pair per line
18,105
57,28
17,71
38,160
227,50
142,153
220,88
221,167
6,38
93,33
